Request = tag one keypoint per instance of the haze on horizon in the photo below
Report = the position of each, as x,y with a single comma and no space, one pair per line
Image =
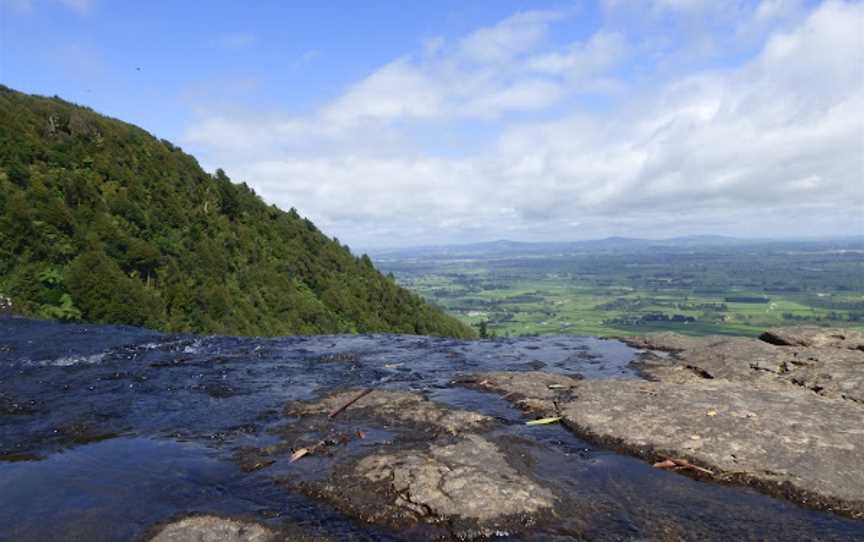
460,122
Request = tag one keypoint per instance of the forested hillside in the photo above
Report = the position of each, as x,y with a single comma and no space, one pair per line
102,222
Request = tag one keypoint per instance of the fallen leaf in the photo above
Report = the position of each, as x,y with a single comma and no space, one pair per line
299,454
544,421
711,413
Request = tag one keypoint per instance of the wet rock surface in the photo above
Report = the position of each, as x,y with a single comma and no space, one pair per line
208,528
466,483
112,433
786,419
782,439
393,407
213,529
532,391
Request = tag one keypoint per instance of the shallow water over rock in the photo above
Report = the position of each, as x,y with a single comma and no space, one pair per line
107,432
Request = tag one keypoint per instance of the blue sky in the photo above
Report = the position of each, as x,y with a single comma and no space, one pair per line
393,123
291,56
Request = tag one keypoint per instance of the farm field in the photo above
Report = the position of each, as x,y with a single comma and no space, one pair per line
734,290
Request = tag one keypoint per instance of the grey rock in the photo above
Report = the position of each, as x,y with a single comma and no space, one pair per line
815,336
212,529
532,391
668,341
395,407
832,370
469,479
466,483
783,439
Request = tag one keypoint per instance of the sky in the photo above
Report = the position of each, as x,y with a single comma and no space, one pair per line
412,123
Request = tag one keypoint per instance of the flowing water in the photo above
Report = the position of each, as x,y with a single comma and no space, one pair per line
107,431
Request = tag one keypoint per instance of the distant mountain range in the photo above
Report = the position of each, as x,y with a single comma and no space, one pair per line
508,249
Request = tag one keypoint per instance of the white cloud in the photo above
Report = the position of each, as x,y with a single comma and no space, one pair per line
521,96
777,9
398,90
235,40
509,38
579,59
772,146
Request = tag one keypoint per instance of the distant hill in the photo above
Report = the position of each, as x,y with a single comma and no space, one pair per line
101,221
609,245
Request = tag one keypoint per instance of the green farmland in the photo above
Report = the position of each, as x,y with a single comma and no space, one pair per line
733,291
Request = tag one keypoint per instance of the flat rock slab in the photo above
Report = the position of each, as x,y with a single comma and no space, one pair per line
213,529
818,337
533,390
819,360
669,341
395,407
217,529
783,439
465,482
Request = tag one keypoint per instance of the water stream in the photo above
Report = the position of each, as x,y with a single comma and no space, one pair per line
107,431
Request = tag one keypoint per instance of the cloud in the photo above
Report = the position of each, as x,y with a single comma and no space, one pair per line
509,38
400,89
771,146
235,40
583,58
660,7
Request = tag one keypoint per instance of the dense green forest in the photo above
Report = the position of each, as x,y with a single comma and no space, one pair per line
102,222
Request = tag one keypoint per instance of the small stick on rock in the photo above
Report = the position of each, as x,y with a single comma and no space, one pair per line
353,400
678,464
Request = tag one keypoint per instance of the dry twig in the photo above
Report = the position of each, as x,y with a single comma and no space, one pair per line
353,400
681,464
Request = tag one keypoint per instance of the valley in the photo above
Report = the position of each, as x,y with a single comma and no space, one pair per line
690,286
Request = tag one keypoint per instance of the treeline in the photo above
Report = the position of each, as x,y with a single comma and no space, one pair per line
649,318
830,317
102,222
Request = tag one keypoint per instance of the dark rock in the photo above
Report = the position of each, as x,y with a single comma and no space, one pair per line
5,305
10,406
339,357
